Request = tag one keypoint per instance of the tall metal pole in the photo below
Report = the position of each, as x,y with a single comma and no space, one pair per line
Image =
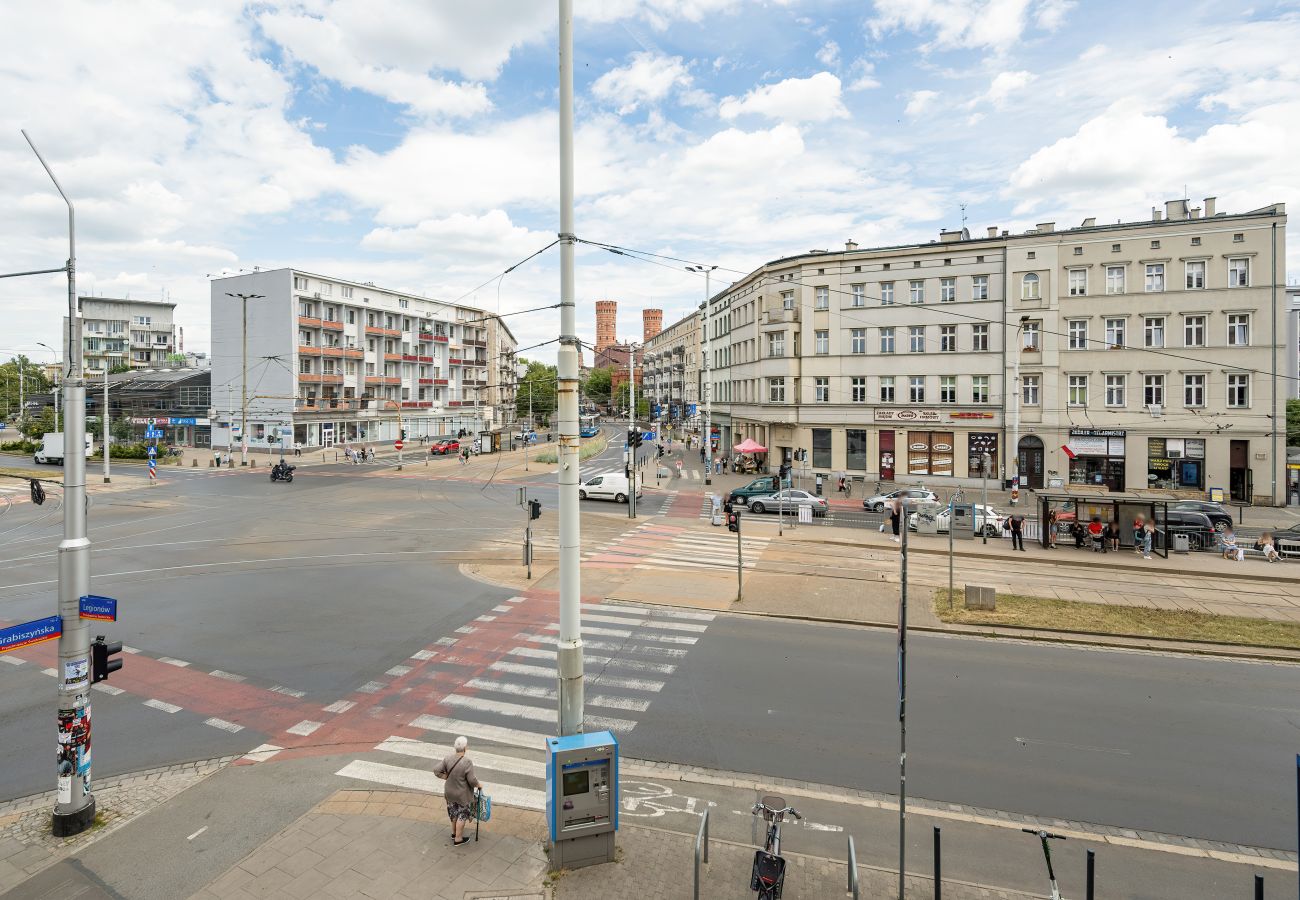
708,387
243,390
22,400
902,708
74,809
1015,419
570,639
1276,458
105,423
631,426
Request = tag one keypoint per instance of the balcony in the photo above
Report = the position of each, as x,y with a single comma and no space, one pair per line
353,353
393,357
417,404
440,338
336,352
328,404
426,335
473,343
330,325
426,381
440,381
311,378
385,332
309,322
308,350
410,357
427,359
383,379
780,316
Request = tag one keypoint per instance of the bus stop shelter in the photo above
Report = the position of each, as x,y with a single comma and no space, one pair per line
1117,508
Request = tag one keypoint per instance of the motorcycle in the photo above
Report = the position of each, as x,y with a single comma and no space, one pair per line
282,472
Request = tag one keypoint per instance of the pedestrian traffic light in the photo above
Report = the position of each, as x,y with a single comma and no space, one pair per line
38,492
403,434
534,509
733,520
100,663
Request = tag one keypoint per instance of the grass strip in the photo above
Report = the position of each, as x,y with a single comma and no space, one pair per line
54,473
1132,621
590,447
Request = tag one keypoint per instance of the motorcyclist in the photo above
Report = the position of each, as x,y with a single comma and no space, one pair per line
281,469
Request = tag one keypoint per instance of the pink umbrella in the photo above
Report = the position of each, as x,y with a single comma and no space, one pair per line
749,445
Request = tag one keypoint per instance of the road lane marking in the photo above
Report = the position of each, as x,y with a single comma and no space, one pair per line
108,689
304,728
533,713
262,752
624,633
289,692
178,663
228,676
486,619
491,762
494,733
338,706
413,779
644,621
224,725
638,664
52,672
1065,746
371,687
398,671
423,655
165,707
197,833
12,660
545,693
634,684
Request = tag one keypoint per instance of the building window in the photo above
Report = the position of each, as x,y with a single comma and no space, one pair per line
916,339
1239,272
1193,390
822,343
859,390
1029,388
1153,332
304,366
948,389
886,293
1153,390
352,317
1194,331
1077,334
948,338
947,290
346,292
305,309
1078,282
1239,330
980,337
859,294
1031,332
916,389
1116,390
979,287
776,390
822,390
1238,238
1078,251
821,448
299,284
856,449
917,289
1155,277
1031,254
1114,279
887,389
1115,333
1239,391
822,298
1196,242
1029,287
887,340
787,299
1114,248
1078,390
1155,245
776,343
979,389
1196,275
858,340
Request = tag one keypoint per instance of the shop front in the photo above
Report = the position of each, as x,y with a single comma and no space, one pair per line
1096,457
1175,464
978,445
930,453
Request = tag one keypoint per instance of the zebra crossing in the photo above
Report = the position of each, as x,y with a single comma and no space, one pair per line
654,545
501,676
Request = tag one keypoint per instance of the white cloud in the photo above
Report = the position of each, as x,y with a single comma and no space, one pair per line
829,54
1004,84
647,79
995,24
814,99
918,102
862,75
460,242
1051,13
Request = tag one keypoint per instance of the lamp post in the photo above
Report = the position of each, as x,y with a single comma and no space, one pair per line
243,388
631,426
104,423
1015,418
708,387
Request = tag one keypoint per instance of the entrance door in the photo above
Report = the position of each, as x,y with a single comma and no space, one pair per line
886,455
1239,482
1030,462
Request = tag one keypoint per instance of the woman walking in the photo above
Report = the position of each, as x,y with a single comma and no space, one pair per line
895,516
458,771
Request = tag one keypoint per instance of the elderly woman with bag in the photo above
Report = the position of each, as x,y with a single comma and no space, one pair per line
458,771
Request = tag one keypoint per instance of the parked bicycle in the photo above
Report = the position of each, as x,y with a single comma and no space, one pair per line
768,874
1045,836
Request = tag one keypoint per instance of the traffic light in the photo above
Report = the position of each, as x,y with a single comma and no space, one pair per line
636,441
733,520
534,509
100,664
403,434
38,492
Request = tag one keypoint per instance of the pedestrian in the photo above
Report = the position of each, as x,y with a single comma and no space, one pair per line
216,455
1051,529
679,468
458,771
1111,536
1017,523
1139,534
1148,535
297,448
1266,545
1095,531
1230,549
895,517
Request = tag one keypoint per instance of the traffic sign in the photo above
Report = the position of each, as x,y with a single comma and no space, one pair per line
153,451
92,606
398,443
16,636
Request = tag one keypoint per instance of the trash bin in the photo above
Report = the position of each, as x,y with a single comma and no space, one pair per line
1181,542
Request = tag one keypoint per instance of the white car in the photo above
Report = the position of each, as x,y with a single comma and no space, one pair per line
987,519
879,502
607,487
790,500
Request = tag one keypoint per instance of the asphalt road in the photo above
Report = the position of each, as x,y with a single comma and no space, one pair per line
306,592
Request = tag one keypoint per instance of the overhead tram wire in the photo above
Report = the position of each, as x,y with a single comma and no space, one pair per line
506,272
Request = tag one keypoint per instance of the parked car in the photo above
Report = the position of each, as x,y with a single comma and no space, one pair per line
790,499
1196,525
910,495
607,487
987,519
443,447
756,488
1220,517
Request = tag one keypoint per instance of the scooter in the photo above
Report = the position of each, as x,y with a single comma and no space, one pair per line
282,471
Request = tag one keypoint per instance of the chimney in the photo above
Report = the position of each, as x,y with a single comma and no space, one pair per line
1175,210
1196,212
949,237
993,231
850,245
1005,232
1155,214
1209,207
1046,226
1089,222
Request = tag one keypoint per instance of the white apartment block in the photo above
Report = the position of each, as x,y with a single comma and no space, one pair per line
138,333
339,361
671,370
1139,356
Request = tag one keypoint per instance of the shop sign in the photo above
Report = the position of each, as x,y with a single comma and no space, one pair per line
907,415
1096,432
1088,446
970,415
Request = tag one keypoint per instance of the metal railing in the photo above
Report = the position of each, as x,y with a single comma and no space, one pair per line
852,887
702,839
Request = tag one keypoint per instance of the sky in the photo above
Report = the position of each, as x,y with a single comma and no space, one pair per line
414,143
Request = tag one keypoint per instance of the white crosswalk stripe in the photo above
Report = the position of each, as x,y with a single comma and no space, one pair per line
506,705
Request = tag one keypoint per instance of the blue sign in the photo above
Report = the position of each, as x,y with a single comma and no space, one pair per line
101,608
153,451
182,420
3,426
152,434
153,463
649,436
690,410
16,636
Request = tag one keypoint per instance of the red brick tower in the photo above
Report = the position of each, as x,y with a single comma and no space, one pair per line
606,324
652,322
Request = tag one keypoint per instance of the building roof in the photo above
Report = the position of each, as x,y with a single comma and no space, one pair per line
357,284
148,380
165,303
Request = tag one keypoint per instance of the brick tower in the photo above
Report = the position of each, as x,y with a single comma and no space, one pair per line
606,324
652,322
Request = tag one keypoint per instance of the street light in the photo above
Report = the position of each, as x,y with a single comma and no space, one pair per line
56,383
1015,427
243,389
708,388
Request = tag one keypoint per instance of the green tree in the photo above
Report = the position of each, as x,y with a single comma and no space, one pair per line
33,382
597,386
1293,423
119,369
175,359
537,385
39,425
642,408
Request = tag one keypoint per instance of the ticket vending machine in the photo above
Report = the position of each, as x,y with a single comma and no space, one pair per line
582,798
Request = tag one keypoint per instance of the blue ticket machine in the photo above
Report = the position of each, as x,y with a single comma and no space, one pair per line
582,798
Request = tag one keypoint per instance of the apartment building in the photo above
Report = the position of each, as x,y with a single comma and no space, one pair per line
1119,357
340,361
117,331
672,362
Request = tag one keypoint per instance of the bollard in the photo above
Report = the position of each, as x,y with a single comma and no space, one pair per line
1259,887
194,464
938,869
211,463
1091,861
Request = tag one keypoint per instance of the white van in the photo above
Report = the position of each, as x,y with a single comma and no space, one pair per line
607,487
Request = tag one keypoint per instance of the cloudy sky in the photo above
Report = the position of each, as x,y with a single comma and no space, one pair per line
413,143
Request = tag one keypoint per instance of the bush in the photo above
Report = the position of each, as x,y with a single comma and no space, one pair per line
21,446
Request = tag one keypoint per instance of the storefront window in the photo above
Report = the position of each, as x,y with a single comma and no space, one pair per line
977,445
929,453
856,455
1176,463
1097,458
821,447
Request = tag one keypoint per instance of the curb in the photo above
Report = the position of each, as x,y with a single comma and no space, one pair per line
35,801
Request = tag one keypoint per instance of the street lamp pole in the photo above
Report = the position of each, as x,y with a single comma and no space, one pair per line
708,386
104,422
243,389
1015,418
631,426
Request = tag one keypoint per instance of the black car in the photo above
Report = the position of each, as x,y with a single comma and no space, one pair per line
1200,531
1219,516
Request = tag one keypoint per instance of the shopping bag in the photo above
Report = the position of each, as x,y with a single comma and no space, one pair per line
484,812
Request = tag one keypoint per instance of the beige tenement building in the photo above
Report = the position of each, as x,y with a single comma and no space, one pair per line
672,371
1142,355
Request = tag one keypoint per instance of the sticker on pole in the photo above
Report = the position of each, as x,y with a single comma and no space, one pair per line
103,609
16,636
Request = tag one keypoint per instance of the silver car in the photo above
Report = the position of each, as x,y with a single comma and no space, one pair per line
910,495
789,499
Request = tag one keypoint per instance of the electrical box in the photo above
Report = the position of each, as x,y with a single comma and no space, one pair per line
582,798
